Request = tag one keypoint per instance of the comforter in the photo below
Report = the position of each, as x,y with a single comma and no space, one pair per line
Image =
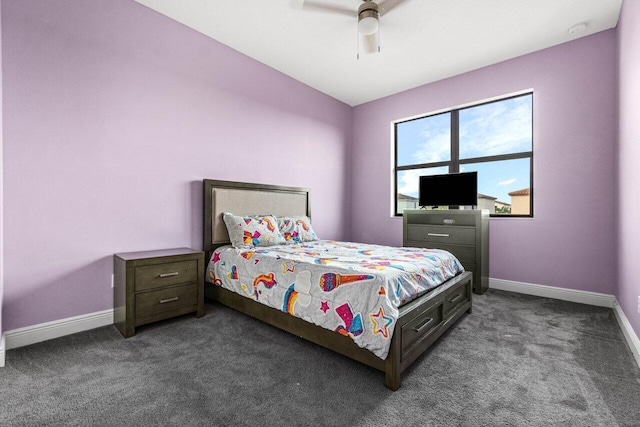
354,289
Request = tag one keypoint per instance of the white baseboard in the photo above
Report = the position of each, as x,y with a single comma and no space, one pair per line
58,328
583,297
628,332
2,351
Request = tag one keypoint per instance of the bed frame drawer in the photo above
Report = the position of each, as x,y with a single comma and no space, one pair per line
154,302
420,324
167,274
458,296
423,325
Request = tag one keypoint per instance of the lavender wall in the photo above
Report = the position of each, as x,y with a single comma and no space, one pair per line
1,192
628,159
570,242
113,114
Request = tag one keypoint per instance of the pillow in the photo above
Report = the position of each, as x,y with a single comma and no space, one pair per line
250,231
296,229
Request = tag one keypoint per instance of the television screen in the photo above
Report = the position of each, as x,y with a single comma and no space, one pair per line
454,189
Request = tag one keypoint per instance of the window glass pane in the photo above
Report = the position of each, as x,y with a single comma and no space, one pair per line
409,185
424,140
504,187
501,127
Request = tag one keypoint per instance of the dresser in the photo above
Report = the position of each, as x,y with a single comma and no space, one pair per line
464,233
156,285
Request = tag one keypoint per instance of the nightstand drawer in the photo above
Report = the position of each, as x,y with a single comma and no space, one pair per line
167,274
441,234
153,302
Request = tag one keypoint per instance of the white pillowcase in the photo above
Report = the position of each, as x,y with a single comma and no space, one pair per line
296,229
250,231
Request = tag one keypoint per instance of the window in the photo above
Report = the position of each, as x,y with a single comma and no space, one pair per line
494,138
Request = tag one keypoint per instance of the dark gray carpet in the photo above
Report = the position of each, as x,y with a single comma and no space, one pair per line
517,360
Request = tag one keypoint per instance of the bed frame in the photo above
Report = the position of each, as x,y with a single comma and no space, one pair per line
420,323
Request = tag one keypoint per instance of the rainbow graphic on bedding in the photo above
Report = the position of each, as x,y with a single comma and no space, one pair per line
350,288
298,292
270,225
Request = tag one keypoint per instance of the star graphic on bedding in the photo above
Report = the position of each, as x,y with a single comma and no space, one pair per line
288,267
381,322
324,306
216,257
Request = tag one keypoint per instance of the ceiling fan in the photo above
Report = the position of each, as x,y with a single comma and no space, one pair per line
368,14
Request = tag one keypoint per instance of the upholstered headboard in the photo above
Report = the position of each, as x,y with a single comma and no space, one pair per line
243,198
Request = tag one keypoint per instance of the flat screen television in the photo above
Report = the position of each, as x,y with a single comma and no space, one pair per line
452,189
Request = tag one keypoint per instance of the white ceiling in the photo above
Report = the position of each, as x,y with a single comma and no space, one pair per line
422,41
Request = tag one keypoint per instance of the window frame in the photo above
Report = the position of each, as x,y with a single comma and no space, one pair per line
454,163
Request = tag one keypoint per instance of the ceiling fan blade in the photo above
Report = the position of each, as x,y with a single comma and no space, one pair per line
387,5
321,7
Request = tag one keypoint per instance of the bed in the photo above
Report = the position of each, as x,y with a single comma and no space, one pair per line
417,324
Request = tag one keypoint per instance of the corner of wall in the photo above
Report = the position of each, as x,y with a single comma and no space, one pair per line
2,347
628,332
627,155
348,204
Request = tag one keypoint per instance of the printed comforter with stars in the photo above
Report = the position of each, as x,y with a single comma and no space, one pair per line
352,288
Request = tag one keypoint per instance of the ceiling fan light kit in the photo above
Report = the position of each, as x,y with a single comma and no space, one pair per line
368,18
368,25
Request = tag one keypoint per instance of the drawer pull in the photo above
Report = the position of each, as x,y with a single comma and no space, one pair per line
168,274
424,326
453,300
438,234
163,301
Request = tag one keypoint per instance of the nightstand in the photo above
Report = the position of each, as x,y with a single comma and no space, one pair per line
156,285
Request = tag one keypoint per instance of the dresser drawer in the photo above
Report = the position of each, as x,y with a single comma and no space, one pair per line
443,234
153,302
419,328
167,274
